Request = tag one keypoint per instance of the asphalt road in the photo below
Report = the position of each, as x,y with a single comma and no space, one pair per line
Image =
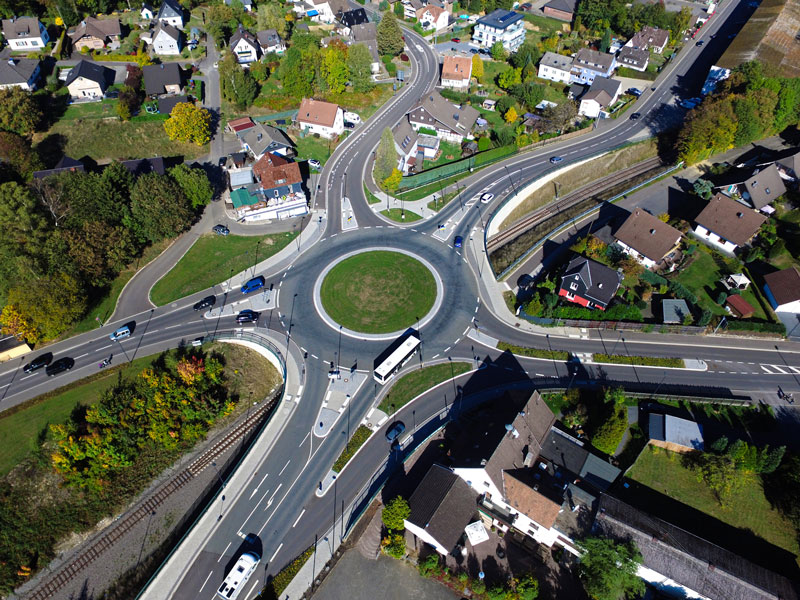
279,506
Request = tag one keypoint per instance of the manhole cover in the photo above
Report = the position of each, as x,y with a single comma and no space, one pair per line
346,380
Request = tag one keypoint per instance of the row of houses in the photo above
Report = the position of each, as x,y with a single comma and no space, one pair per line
249,47
360,33
514,469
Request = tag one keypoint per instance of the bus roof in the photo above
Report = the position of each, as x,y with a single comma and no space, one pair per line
400,353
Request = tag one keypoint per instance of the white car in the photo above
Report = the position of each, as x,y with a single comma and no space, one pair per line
486,198
352,117
314,164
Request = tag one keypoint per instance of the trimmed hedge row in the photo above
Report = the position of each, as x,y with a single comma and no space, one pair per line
360,436
645,361
533,352
739,325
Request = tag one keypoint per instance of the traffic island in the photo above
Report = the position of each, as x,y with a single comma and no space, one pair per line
378,294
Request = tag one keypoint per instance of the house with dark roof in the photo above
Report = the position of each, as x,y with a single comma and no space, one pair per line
674,433
563,10
589,64
95,34
783,290
259,139
170,13
88,80
441,507
244,45
270,42
357,16
555,67
363,32
65,165
19,72
682,564
789,167
276,194
505,26
451,123
633,58
647,238
167,103
727,224
589,283
763,188
162,79
602,93
25,33
649,38
165,39
143,166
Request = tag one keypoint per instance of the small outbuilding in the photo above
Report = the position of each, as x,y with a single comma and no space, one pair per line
675,311
739,307
674,433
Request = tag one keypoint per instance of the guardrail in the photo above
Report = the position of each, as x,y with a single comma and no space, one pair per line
250,336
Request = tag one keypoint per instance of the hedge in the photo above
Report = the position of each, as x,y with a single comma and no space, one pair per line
360,436
652,278
620,312
282,580
646,361
609,434
740,325
533,352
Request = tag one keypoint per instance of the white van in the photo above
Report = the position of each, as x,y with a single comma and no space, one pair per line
238,576
352,117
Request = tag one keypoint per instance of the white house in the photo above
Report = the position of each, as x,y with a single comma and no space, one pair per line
633,58
433,18
324,118
783,290
410,8
500,26
19,72
166,40
555,67
647,238
456,72
589,64
601,94
413,147
88,81
25,33
727,224
147,13
270,42
649,38
171,13
449,122
244,45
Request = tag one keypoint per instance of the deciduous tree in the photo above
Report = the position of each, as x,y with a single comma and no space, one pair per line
498,52
477,66
509,78
385,156
608,570
13,322
511,115
359,63
295,74
50,304
334,68
19,112
158,207
392,182
194,184
394,513
189,123
17,158
271,15
237,85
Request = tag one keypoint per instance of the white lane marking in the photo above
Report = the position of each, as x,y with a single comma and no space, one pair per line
284,467
104,347
206,581
82,355
271,498
26,377
254,510
465,331
434,356
224,551
304,439
276,552
315,356
446,350
299,517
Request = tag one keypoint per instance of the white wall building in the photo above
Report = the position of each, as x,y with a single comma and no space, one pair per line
500,25
555,67
324,118
25,33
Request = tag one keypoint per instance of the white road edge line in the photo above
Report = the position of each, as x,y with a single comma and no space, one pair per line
276,552
300,516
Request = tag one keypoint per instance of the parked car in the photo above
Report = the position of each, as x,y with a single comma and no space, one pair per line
395,431
247,316
59,366
314,164
120,334
458,242
256,283
352,117
349,125
206,302
223,160
556,159
473,50
483,51
634,92
220,229
456,40
37,363
486,198
635,116
687,104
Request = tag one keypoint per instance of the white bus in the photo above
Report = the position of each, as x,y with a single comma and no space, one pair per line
389,366
238,576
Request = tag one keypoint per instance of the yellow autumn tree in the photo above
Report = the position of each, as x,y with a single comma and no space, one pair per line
477,66
188,123
511,115
392,182
13,322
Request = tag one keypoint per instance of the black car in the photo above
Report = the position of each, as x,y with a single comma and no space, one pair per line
247,316
223,160
473,50
59,366
37,363
220,230
700,43
348,125
395,430
206,302
635,116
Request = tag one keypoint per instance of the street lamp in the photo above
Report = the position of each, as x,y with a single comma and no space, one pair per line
255,261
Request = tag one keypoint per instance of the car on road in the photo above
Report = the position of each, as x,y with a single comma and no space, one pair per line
458,242
556,159
37,363
699,43
216,64
395,430
223,160
456,40
121,333
314,164
220,229
635,116
256,283
206,302
349,125
247,316
690,103
486,198
473,50
59,366
634,92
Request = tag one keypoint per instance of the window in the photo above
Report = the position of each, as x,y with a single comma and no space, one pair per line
573,286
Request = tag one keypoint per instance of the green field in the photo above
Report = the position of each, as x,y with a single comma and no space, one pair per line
661,470
311,147
378,292
213,259
401,216
409,386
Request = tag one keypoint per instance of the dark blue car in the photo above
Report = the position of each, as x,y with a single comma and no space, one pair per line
256,283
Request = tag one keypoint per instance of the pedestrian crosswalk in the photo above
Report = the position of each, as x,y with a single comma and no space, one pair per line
780,369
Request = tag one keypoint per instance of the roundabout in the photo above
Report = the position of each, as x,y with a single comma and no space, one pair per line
377,293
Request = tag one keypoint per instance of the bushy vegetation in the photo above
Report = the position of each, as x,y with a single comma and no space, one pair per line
650,361
608,570
276,585
533,352
360,436
607,433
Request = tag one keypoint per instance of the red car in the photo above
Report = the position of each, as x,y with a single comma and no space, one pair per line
456,40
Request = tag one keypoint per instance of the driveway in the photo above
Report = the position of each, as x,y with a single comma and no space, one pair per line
357,578
458,48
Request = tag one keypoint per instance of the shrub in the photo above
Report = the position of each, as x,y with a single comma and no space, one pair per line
394,545
484,143
608,434
360,436
533,352
429,566
652,278
284,578
721,298
647,361
705,318
394,513
747,325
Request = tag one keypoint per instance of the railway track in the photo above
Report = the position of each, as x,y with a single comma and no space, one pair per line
546,212
71,569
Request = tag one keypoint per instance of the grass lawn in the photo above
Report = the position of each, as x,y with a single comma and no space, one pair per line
365,104
371,198
212,259
409,386
661,470
360,436
91,110
491,69
453,151
311,147
105,306
440,203
432,188
397,214
494,118
378,292
113,139
546,25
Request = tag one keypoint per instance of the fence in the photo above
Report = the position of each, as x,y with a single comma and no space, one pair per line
475,161
287,114
615,325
